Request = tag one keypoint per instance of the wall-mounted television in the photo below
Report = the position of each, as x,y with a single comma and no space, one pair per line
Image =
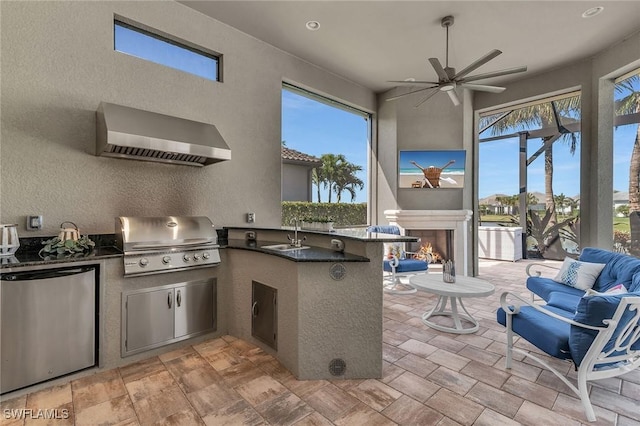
431,169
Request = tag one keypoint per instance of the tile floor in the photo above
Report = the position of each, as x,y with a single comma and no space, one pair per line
430,378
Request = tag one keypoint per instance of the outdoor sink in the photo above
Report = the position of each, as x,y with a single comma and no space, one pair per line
284,247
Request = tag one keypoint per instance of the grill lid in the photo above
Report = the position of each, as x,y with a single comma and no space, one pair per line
162,232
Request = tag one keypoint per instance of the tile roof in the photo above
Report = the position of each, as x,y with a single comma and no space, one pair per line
293,155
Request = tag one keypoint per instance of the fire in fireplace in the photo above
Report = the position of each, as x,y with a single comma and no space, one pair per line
434,243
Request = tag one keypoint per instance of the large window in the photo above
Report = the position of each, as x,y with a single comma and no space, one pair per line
530,173
162,50
626,164
325,151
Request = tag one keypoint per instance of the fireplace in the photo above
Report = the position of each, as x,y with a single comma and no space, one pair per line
446,230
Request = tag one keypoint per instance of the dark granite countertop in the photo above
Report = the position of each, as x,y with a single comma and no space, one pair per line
359,234
28,253
312,254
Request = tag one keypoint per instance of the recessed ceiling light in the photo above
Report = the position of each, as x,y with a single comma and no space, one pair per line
410,79
313,25
589,13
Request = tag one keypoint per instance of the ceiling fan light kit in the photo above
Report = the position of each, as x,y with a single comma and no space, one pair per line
448,79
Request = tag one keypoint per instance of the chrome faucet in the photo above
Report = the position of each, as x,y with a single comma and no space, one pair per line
295,242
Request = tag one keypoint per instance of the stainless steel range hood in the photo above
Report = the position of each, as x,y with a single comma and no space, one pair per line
131,133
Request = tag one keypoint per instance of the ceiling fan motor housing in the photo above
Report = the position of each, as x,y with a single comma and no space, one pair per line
447,21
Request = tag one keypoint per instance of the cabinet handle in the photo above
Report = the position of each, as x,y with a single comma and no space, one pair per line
254,309
179,298
169,299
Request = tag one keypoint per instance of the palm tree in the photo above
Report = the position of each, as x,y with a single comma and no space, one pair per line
346,180
328,172
630,104
531,199
561,201
318,178
338,175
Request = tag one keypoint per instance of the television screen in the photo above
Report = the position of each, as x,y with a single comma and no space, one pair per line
431,169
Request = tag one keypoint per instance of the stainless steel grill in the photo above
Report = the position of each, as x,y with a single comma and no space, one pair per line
154,245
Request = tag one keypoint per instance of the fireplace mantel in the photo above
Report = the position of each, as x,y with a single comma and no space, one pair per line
455,220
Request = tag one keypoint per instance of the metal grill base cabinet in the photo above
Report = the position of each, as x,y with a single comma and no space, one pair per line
161,315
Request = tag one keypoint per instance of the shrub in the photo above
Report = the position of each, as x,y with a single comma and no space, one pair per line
342,214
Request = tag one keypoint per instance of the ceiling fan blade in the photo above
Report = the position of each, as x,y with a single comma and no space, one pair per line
393,98
478,63
483,87
412,82
454,97
426,98
437,66
493,74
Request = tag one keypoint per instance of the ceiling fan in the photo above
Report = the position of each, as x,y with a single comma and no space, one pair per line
448,79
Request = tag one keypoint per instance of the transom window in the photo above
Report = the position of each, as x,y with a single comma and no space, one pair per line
162,50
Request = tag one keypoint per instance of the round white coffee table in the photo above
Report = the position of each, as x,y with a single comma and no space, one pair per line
453,293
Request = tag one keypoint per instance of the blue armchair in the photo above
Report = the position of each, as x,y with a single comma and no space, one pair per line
397,264
599,331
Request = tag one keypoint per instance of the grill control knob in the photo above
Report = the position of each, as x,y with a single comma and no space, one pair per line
186,258
206,255
166,260
196,257
144,262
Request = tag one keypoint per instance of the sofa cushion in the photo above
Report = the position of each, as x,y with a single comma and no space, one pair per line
548,334
593,311
543,287
634,286
407,265
565,301
619,269
578,274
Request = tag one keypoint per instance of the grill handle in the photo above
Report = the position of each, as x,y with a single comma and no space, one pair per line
165,245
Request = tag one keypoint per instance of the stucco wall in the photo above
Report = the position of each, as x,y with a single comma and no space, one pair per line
296,183
58,63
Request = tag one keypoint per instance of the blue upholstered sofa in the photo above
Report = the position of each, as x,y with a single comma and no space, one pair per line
619,269
598,331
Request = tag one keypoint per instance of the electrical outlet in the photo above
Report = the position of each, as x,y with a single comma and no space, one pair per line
34,223
251,217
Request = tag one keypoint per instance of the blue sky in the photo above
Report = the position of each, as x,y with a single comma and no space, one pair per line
499,173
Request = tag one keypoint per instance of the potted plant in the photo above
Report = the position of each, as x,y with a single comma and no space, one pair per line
317,223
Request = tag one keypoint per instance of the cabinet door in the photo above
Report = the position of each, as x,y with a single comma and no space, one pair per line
150,318
264,314
195,311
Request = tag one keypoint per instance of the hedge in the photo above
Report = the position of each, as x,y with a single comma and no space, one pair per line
342,214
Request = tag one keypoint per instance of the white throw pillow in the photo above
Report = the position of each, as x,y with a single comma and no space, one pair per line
618,289
581,275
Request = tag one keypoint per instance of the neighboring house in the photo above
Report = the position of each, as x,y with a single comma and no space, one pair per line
620,198
297,168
